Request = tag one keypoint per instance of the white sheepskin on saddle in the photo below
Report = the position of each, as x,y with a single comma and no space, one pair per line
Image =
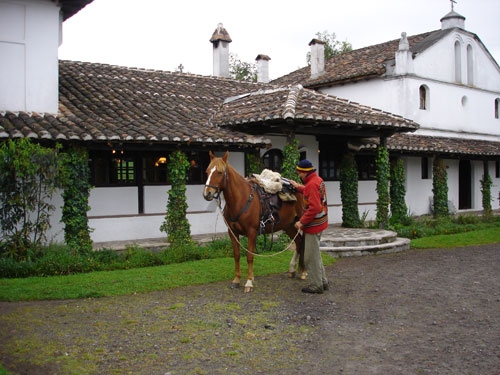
269,180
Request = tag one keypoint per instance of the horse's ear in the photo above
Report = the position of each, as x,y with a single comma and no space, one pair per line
226,155
211,155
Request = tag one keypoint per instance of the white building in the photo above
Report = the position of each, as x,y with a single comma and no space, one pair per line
447,82
131,119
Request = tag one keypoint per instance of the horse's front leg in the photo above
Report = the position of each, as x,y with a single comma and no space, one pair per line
252,240
300,246
236,254
298,256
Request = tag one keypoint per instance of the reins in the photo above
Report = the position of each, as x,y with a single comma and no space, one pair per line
243,247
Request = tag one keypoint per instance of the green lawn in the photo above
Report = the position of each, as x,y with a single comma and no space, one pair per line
138,280
142,280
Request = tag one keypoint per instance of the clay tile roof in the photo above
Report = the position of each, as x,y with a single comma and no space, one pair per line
99,102
358,64
442,145
70,7
278,105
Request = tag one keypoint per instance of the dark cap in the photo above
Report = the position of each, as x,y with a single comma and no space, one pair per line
305,166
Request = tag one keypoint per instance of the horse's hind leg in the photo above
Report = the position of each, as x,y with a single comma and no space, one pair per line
236,254
293,265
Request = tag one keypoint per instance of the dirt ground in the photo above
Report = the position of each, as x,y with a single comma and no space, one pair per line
416,312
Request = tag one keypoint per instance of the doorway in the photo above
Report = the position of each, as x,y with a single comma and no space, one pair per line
464,185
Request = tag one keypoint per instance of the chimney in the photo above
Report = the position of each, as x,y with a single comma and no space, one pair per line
317,57
262,68
404,57
220,40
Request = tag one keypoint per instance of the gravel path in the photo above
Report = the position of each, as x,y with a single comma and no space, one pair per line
416,312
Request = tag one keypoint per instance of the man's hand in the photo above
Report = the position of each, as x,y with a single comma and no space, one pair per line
298,225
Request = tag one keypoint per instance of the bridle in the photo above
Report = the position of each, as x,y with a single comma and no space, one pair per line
218,189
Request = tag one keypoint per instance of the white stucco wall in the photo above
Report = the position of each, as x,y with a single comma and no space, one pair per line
29,36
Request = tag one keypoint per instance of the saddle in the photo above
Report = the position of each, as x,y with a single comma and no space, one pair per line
273,190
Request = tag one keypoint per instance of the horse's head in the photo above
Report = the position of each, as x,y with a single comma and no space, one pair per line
217,173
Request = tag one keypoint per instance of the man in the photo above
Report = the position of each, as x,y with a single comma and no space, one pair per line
313,221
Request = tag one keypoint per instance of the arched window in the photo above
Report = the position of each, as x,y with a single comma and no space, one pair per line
458,62
273,160
470,66
424,97
497,107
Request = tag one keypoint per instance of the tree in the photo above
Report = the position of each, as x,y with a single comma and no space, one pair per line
333,47
29,176
241,70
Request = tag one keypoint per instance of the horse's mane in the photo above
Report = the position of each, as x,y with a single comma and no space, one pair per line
219,164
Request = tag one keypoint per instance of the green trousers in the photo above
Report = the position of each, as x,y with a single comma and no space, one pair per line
313,262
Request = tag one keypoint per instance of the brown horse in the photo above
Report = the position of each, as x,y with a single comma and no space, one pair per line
243,214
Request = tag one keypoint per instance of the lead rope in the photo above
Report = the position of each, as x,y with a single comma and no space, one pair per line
243,247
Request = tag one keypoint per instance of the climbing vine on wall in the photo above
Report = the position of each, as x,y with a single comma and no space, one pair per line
440,188
486,184
349,191
176,224
399,210
253,163
383,176
291,156
76,196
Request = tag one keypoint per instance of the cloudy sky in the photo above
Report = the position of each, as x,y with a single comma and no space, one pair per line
161,34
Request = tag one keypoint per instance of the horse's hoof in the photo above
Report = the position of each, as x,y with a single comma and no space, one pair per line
235,286
303,276
291,275
248,289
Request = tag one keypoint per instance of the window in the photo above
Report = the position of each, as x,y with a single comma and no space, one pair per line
273,160
155,168
424,96
424,166
367,169
329,164
470,66
458,62
113,168
497,107
123,170
119,168
330,159
330,156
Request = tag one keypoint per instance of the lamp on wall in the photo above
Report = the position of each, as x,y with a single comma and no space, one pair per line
161,160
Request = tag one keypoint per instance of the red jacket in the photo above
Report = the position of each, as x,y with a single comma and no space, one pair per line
315,217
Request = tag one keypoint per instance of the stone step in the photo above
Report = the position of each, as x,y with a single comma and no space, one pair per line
346,242
398,244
